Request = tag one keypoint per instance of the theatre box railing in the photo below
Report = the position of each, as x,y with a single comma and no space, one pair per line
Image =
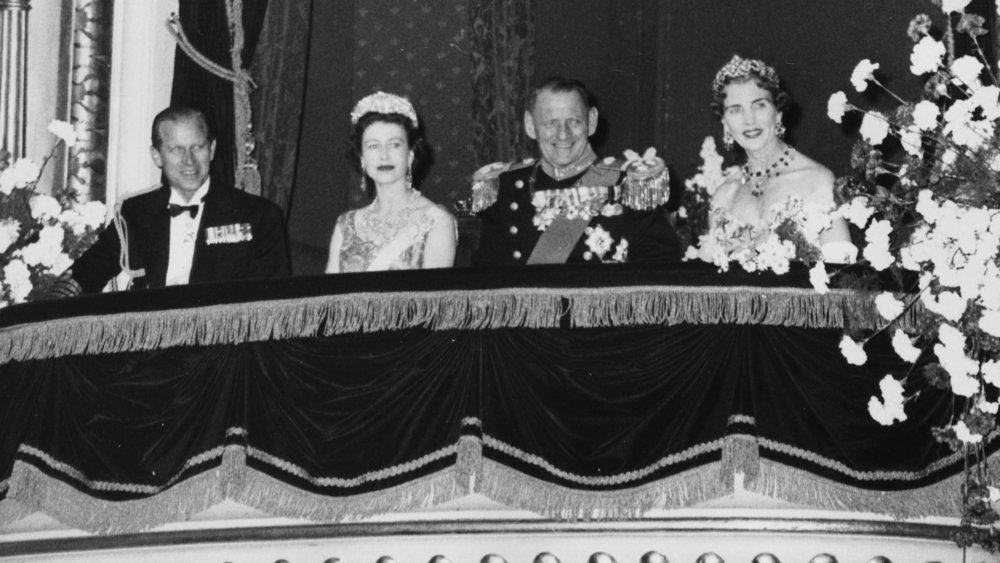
633,410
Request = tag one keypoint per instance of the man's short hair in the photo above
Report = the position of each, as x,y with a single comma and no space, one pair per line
560,84
176,114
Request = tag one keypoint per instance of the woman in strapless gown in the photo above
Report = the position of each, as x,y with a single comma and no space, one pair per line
748,99
401,229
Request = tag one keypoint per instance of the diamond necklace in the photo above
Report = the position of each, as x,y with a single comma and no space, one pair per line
758,177
385,229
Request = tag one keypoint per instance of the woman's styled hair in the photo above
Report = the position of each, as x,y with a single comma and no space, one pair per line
738,71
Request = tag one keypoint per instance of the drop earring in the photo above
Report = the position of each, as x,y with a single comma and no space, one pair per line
727,139
409,179
780,130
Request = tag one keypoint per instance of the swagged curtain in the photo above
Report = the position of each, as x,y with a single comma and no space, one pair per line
571,392
207,27
279,68
503,52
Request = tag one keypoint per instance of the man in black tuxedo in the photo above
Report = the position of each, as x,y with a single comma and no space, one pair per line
191,230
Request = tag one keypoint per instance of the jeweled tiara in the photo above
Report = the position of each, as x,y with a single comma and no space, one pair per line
384,102
738,67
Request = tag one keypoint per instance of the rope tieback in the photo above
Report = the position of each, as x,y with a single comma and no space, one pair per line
246,175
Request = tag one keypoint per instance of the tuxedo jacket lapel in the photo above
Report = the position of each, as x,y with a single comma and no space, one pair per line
155,234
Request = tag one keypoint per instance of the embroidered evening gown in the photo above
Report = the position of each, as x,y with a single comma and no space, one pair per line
403,249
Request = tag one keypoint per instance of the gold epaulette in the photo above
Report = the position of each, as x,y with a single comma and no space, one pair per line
647,181
486,182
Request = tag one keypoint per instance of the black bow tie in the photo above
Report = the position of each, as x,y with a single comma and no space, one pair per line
176,210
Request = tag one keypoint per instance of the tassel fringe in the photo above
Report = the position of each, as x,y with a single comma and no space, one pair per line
31,490
740,454
733,305
795,485
468,310
518,490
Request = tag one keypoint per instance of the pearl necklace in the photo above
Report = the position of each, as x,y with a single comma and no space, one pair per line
759,177
387,228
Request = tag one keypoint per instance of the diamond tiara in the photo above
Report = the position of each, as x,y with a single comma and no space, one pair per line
738,67
384,102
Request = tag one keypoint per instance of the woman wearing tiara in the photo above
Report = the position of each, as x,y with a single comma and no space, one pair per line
775,179
401,229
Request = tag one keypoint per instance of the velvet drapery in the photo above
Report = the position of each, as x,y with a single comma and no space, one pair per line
502,56
279,68
587,402
207,27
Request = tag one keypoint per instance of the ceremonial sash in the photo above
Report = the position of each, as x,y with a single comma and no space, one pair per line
560,237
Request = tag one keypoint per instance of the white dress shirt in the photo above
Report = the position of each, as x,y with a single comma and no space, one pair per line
183,234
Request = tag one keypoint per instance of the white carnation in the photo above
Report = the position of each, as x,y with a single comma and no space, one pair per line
44,206
852,351
989,322
925,115
93,213
863,72
966,71
874,127
65,131
927,206
991,372
950,305
904,347
857,211
926,56
19,175
9,231
963,433
949,6
988,100
888,306
47,249
18,278
890,408
836,107
819,278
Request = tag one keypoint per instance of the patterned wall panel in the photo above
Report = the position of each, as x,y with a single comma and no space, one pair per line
420,50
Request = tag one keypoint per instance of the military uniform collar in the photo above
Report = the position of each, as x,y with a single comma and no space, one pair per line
561,173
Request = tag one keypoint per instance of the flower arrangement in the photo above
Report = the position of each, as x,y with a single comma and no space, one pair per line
40,234
698,191
935,212
791,235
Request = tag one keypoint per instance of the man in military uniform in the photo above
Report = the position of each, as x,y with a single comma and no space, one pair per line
568,205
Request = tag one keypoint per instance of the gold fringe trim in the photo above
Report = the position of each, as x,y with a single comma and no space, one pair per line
275,497
38,492
513,488
282,319
31,490
11,511
674,305
469,462
740,454
795,485
445,310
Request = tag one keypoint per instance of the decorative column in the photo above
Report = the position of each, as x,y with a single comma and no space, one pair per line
90,95
13,74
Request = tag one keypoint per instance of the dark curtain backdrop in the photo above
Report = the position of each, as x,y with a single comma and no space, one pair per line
207,28
279,68
503,57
